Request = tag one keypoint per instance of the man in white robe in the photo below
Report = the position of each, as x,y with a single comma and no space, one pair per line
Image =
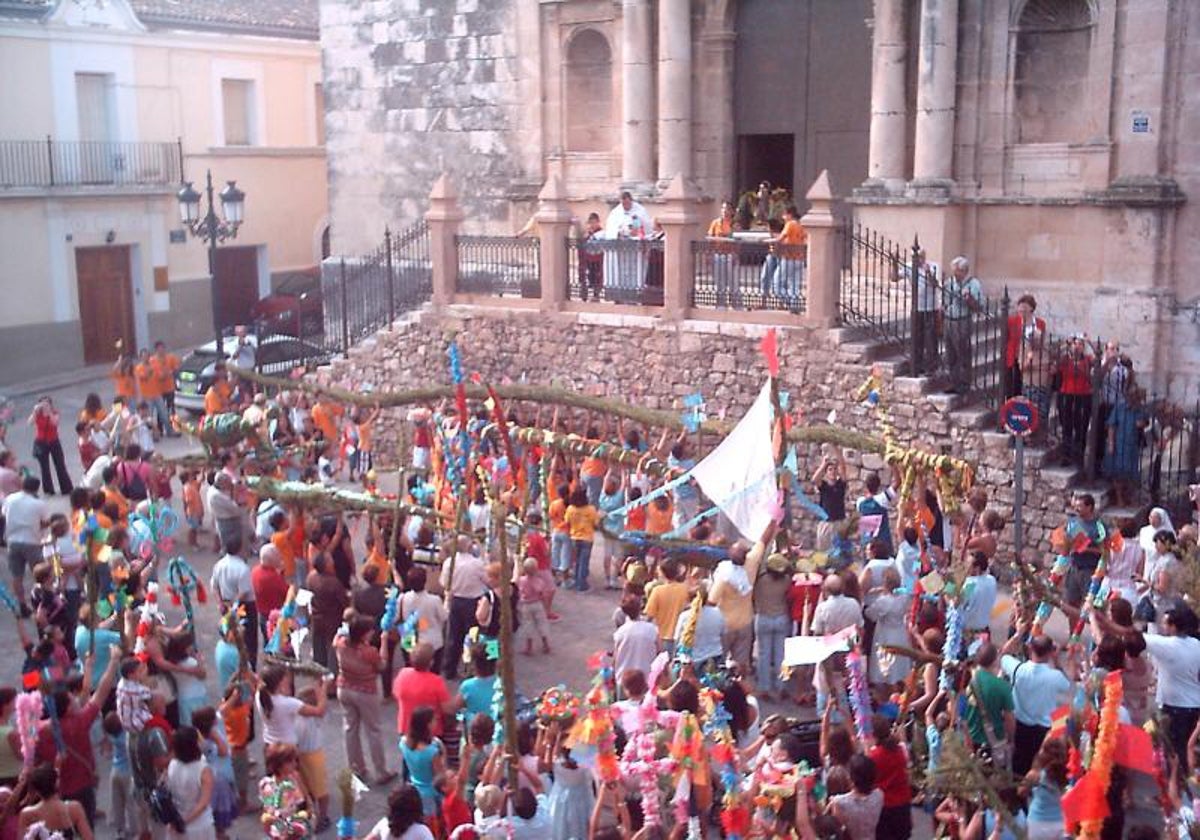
625,267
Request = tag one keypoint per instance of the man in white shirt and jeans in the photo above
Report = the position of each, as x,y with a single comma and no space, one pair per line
1176,656
232,585
1038,689
835,612
26,517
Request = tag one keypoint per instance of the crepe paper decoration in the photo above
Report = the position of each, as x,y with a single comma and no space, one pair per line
858,693
148,612
933,583
182,581
1102,759
770,350
952,647
9,599
391,610
693,416
347,827
1084,801
557,704
1135,749
280,635
492,649
28,714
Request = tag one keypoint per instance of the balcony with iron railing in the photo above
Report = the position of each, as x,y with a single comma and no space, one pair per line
33,165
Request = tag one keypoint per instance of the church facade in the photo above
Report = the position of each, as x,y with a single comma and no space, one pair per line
1052,141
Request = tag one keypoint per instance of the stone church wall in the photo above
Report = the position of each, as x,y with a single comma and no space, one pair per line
414,88
653,364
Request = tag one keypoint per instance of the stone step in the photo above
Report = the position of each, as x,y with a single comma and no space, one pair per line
1101,491
1061,478
977,417
946,403
1113,513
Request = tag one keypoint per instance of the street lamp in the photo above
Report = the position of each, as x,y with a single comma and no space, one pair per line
212,229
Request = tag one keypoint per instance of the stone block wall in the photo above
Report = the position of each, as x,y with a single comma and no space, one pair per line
652,363
415,88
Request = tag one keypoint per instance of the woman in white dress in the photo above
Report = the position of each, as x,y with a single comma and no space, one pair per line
190,781
889,610
1159,520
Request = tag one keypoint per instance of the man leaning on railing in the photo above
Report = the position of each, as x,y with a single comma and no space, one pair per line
962,297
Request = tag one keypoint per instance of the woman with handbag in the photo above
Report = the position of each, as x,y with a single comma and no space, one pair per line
190,781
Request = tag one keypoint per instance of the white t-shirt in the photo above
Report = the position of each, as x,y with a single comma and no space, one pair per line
280,727
24,515
93,479
1177,659
1038,689
981,598
382,831
873,572
635,644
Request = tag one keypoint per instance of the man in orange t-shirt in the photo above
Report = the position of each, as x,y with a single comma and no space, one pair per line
724,259
216,398
783,271
149,384
165,366
326,416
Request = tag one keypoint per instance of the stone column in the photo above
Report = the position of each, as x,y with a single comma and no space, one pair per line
680,217
443,217
933,156
637,94
889,108
554,225
674,89
824,269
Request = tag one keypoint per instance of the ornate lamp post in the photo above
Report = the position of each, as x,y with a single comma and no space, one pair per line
213,230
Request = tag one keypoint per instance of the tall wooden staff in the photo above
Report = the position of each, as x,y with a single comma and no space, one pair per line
507,649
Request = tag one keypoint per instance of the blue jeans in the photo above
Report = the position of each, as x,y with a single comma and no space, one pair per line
789,279
771,630
729,296
158,408
581,551
593,484
560,551
766,279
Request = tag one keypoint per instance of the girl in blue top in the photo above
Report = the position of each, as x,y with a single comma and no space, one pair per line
424,758
1045,784
476,695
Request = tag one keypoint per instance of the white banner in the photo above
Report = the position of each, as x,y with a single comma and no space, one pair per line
739,475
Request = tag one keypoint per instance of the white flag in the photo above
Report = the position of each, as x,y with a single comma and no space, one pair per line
739,475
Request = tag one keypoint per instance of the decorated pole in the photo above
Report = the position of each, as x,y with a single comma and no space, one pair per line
550,395
507,652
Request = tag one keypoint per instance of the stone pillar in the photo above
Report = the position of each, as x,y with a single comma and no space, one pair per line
637,94
889,108
674,89
933,156
443,217
554,225
680,217
824,269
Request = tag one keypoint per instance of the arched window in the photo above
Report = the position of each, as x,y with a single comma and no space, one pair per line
1053,46
589,95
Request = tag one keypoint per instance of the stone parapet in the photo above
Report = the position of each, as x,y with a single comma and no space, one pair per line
656,363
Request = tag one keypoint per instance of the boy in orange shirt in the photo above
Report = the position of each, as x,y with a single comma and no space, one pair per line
193,505
560,535
216,398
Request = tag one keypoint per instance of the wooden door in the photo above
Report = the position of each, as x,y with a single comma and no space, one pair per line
104,276
237,284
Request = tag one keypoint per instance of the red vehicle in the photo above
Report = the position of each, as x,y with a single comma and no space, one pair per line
295,307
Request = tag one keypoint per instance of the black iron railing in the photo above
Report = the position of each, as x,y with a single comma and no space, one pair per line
625,271
872,294
364,294
499,265
739,274
54,163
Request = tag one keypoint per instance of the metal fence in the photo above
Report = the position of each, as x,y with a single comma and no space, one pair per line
741,274
499,265
53,163
362,295
623,271
872,294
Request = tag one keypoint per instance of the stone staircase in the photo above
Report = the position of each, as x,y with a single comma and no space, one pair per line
967,413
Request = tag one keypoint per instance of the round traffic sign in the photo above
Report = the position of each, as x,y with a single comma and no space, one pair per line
1019,416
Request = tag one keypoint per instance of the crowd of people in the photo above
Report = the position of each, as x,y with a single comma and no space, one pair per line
938,690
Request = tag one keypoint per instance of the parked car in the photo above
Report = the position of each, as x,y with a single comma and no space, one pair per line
295,307
273,355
